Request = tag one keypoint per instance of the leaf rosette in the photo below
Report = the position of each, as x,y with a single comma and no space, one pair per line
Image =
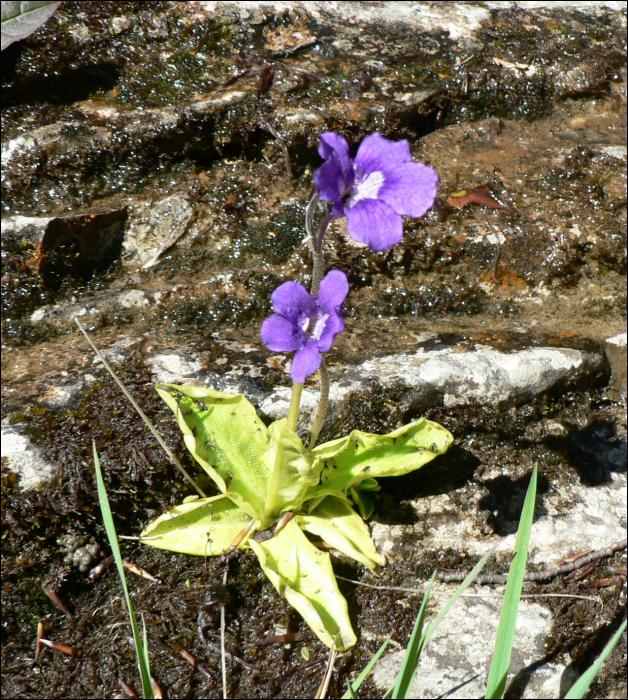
263,472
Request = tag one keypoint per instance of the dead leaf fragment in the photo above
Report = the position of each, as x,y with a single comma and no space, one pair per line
478,195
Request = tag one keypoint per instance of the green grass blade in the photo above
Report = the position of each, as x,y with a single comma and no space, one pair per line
439,618
355,686
457,593
140,649
581,686
500,663
413,652
425,638
144,651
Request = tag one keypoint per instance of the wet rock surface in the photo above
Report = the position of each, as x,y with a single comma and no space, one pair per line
157,159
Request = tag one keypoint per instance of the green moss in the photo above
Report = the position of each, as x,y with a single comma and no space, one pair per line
27,285
274,246
443,297
214,310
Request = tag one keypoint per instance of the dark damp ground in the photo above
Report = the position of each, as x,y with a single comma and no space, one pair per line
536,141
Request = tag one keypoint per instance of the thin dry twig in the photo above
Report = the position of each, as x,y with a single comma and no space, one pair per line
279,639
190,658
223,656
322,688
40,634
216,647
421,591
157,689
551,572
141,413
128,689
58,601
63,648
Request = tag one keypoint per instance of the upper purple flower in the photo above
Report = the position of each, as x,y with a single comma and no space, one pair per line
376,189
305,323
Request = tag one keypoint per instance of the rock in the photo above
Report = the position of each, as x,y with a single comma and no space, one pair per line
574,514
615,349
61,396
460,21
75,245
154,228
173,369
133,298
457,375
25,459
461,649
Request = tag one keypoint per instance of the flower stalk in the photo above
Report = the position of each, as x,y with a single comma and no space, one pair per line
295,402
315,240
323,405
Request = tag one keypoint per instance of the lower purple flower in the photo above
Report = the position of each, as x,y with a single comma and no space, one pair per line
376,189
305,323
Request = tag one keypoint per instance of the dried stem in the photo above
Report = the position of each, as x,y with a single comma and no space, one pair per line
323,687
223,655
544,574
141,413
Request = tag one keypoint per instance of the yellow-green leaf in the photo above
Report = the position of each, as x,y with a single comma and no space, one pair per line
303,575
290,464
204,526
340,526
226,437
359,456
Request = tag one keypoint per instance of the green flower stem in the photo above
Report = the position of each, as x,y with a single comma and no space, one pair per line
295,402
323,404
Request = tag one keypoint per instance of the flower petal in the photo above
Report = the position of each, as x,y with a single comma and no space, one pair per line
331,145
293,301
281,335
409,188
376,151
306,362
373,222
333,290
338,210
330,182
333,326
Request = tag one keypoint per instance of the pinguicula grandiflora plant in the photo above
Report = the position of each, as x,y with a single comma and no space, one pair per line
276,490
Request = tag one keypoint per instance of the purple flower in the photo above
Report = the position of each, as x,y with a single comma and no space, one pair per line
305,323
376,189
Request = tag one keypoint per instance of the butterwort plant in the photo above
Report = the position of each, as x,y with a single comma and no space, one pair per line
275,491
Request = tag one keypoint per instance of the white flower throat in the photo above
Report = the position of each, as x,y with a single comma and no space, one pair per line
320,321
366,189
